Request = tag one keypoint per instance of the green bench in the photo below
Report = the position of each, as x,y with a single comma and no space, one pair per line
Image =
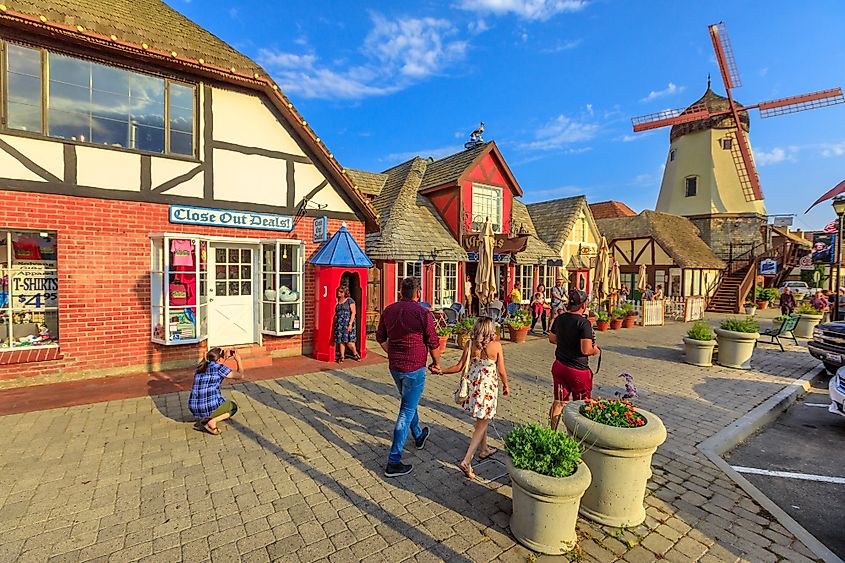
786,328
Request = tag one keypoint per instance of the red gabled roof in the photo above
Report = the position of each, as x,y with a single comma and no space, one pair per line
611,210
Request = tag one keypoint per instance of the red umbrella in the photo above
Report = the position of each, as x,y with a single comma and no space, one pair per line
837,189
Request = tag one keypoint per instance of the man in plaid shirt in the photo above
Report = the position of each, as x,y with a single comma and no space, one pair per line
406,332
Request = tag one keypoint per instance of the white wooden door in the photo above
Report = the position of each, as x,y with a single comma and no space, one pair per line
231,310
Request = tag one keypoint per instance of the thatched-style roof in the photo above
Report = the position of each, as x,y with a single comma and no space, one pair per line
555,219
676,235
370,183
449,168
536,249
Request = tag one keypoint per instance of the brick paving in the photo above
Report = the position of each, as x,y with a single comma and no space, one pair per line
297,475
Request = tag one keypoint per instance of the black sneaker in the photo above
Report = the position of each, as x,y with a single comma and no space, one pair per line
423,437
397,469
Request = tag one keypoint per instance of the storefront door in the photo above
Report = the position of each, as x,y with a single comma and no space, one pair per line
231,312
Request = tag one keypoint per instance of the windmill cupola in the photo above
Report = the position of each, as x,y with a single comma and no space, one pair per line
715,104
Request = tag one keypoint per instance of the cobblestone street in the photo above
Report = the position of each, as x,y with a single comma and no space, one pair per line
297,475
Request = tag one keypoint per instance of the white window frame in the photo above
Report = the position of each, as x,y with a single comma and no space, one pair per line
160,307
479,216
275,325
545,276
407,269
524,274
8,270
445,293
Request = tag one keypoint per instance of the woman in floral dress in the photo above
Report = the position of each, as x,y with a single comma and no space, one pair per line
344,324
487,366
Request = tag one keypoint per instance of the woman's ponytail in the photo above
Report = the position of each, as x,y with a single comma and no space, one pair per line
213,355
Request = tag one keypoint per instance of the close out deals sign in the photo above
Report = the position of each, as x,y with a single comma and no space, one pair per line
187,215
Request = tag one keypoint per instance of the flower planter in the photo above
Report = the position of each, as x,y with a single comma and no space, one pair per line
602,325
736,348
620,462
615,324
762,305
806,324
462,340
750,311
699,352
545,509
628,321
443,341
518,334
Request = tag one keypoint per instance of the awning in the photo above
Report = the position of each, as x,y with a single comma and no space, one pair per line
503,245
792,237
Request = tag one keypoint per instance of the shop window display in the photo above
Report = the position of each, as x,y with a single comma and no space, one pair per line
29,289
282,279
178,289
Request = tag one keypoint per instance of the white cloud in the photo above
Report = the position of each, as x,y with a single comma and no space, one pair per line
540,10
478,26
435,153
561,46
397,53
670,90
776,155
832,149
649,179
562,131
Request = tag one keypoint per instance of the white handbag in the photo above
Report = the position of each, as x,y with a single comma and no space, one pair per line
462,391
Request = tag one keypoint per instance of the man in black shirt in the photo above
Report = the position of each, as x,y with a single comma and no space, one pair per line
574,342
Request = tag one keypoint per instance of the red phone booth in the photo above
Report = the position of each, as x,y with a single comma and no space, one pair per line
340,261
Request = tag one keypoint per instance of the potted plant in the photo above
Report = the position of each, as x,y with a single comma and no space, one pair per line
444,333
699,344
619,441
518,325
462,330
737,338
630,316
750,308
602,321
548,480
617,316
592,316
810,317
764,296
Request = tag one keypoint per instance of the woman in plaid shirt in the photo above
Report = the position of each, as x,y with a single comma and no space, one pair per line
206,402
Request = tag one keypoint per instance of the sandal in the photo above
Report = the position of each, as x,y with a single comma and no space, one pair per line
490,453
467,470
215,431
356,358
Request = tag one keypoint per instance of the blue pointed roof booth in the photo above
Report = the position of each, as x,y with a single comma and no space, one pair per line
342,250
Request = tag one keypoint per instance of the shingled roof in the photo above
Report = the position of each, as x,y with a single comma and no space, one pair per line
610,209
410,225
449,169
536,249
370,183
676,235
556,218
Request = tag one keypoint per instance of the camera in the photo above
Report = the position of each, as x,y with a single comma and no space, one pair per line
231,352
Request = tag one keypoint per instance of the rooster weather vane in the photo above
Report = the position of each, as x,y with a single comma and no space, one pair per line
475,138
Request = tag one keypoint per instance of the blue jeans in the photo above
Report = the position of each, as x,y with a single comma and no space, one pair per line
410,386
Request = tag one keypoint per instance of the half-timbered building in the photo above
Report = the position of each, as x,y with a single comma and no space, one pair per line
159,194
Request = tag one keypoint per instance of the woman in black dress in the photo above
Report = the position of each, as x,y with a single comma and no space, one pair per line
344,324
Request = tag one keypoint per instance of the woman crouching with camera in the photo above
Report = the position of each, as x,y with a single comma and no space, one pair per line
206,402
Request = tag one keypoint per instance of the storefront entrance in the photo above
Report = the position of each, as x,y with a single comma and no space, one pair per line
232,314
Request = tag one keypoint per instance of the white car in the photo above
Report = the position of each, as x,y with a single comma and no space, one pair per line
836,387
798,288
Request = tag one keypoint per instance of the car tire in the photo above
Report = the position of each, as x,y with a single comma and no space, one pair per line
831,368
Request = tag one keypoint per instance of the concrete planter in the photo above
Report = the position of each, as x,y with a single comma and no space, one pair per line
545,509
620,461
806,324
750,311
736,348
699,352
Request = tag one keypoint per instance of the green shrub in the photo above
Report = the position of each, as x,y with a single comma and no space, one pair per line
741,325
807,309
700,331
521,318
750,304
602,317
767,294
629,310
465,325
613,412
542,450
444,331
619,313
781,318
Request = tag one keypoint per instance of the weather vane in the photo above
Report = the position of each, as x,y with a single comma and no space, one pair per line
475,137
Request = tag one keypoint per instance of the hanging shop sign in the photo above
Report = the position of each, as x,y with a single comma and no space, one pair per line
768,267
823,248
321,229
187,215
503,243
806,262
502,258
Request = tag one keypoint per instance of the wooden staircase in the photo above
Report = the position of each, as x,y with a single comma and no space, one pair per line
253,356
725,300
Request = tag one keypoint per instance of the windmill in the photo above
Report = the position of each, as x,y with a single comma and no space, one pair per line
739,147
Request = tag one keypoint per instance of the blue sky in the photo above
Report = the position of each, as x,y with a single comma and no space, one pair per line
555,82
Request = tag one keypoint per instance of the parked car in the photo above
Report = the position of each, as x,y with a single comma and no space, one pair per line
799,287
836,388
828,345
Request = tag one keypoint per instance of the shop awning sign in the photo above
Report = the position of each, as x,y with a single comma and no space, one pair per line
187,215
501,258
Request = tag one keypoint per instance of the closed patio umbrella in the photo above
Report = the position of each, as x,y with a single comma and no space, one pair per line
485,275
615,281
642,278
600,288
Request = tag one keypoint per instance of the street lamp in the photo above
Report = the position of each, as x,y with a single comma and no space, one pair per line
839,208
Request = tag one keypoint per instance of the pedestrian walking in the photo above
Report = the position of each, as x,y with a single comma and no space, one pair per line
487,366
787,302
344,324
538,308
516,294
574,341
558,299
206,402
406,332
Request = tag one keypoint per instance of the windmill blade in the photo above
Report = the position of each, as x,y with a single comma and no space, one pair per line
725,55
803,102
670,117
741,154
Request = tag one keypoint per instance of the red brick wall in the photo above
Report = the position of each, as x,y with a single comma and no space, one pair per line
104,282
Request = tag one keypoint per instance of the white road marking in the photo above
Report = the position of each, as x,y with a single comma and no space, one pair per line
825,405
790,475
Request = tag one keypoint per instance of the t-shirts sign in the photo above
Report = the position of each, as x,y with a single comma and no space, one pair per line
187,215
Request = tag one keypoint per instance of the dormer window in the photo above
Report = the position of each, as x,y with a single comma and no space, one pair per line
486,206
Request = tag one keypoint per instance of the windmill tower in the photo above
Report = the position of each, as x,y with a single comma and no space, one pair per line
710,175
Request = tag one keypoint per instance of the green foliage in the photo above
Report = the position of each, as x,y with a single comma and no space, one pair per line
542,450
750,304
769,294
629,310
781,318
618,313
521,318
603,317
465,325
807,309
700,331
741,325
613,412
444,331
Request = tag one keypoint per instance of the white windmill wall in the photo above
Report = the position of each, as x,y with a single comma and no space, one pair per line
700,154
